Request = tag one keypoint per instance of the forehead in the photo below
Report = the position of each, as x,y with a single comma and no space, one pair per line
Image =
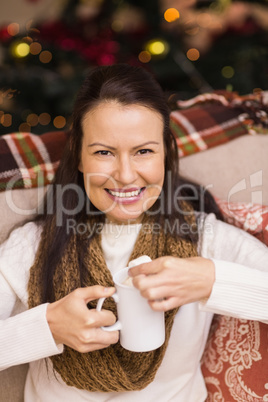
109,118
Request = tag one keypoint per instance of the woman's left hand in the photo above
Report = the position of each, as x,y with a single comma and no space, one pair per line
170,282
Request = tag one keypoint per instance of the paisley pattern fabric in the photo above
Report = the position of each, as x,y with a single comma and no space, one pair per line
251,217
235,361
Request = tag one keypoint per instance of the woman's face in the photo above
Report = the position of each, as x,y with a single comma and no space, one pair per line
122,159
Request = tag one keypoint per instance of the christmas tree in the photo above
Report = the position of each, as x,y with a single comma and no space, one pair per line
190,46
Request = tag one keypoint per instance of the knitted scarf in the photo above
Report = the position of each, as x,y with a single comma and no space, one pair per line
114,368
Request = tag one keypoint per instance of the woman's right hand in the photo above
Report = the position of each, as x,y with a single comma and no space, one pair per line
74,325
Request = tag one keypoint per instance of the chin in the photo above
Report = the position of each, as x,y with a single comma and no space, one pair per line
126,219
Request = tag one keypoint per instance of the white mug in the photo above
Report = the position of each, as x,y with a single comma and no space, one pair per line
141,328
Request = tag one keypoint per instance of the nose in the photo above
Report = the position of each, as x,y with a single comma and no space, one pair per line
125,172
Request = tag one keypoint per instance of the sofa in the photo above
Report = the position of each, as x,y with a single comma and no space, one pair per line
236,173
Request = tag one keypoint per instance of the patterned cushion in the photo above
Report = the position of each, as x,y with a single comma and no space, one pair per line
202,127
235,361
252,218
28,160
211,119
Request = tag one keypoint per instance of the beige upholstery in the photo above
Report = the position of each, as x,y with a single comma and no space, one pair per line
237,171
12,383
18,206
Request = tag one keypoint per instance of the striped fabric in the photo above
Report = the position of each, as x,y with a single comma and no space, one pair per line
203,127
208,120
28,160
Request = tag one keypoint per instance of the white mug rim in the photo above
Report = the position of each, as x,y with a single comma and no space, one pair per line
117,281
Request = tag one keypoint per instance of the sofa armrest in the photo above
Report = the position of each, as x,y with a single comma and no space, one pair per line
234,171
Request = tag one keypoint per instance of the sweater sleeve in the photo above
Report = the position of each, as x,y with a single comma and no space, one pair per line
241,271
26,337
24,334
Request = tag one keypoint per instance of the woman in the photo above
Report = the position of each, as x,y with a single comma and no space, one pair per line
117,195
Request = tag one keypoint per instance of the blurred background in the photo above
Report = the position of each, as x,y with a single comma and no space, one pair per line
191,46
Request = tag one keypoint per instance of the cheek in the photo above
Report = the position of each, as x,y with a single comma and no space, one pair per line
94,180
98,179
156,172
94,174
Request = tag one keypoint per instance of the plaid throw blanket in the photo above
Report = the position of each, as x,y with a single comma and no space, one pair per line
197,129
212,119
28,160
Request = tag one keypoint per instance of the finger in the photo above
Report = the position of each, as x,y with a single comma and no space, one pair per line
143,282
148,268
94,292
164,304
101,318
100,336
159,293
94,339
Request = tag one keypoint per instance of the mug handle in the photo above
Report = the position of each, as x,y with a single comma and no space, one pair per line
117,325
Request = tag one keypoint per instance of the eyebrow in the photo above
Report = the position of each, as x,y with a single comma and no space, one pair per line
112,148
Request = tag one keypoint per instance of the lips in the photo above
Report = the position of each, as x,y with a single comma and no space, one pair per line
127,195
124,193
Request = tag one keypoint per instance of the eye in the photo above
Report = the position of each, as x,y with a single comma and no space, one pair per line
103,153
145,151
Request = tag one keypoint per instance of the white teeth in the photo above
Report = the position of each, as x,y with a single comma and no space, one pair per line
123,194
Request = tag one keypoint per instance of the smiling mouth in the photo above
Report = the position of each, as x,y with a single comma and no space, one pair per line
125,193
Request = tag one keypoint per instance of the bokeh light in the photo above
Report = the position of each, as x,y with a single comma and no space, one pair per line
20,49
171,14
227,72
25,128
59,122
44,119
157,47
32,119
193,54
35,48
13,29
45,56
27,39
6,120
144,56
